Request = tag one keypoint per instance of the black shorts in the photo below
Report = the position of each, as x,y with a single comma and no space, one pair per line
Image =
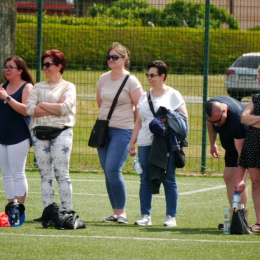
231,159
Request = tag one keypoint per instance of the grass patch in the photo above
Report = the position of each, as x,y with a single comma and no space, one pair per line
195,237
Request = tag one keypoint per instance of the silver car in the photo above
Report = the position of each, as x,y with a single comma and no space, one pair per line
241,78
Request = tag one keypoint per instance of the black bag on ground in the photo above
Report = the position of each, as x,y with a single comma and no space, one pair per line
239,223
98,134
180,159
55,215
48,132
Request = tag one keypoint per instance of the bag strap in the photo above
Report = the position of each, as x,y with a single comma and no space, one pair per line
150,102
116,97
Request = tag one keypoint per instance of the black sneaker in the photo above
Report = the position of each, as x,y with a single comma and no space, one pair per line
220,226
110,219
38,220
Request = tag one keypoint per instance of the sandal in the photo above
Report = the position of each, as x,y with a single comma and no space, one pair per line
255,228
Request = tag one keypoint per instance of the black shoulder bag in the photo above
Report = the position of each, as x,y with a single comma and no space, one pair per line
99,132
179,155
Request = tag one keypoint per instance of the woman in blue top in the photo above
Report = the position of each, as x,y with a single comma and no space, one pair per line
15,138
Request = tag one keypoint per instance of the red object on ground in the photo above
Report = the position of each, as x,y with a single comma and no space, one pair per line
4,220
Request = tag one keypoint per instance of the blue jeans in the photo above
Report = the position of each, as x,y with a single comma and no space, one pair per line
170,184
112,158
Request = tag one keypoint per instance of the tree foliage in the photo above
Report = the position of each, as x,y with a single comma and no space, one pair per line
178,13
128,9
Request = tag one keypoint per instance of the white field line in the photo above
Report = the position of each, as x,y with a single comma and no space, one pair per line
134,196
133,238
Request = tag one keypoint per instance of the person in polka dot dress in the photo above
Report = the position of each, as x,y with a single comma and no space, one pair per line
250,154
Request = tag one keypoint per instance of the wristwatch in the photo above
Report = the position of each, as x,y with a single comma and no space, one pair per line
8,98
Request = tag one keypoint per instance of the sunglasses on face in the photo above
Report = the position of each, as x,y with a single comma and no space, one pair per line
152,75
113,57
48,64
216,121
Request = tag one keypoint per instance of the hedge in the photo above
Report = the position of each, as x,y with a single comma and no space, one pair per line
181,48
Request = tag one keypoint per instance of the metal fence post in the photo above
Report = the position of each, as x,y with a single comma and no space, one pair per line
39,49
205,85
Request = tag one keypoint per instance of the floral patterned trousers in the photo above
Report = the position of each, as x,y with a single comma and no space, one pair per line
53,156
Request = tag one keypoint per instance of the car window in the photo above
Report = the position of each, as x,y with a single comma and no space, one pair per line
247,62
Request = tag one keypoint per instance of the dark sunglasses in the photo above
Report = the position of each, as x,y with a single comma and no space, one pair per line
48,64
151,75
113,57
216,121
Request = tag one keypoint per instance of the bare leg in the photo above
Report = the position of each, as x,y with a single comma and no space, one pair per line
230,183
21,199
230,180
255,178
240,176
119,212
244,194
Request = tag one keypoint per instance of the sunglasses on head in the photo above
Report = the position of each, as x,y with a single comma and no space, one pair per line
152,75
113,57
216,121
48,64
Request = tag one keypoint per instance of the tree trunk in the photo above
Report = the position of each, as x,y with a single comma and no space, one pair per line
7,29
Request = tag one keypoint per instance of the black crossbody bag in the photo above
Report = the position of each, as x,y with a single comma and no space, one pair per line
179,155
99,131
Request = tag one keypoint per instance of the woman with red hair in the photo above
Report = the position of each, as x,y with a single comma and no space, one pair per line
53,104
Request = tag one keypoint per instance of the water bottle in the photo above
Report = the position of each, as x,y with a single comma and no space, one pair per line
15,214
137,165
226,228
236,200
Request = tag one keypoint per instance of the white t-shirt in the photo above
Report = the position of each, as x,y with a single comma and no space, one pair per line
123,115
172,100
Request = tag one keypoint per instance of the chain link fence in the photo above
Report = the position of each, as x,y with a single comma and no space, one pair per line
198,40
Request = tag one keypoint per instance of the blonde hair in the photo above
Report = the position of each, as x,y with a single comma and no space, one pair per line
258,69
123,51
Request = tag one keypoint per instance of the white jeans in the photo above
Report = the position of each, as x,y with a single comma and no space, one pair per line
54,156
12,163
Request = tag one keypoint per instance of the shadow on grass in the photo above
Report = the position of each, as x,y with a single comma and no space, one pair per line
150,229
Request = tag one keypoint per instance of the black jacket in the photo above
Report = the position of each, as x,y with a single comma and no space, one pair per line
158,161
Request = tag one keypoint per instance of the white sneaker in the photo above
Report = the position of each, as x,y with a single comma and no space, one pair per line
145,220
170,221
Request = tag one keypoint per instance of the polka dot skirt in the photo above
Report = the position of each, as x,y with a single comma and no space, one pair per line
250,155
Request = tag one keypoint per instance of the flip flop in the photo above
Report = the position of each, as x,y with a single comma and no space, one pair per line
255,228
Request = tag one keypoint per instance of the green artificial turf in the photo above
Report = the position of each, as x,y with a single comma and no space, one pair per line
202,201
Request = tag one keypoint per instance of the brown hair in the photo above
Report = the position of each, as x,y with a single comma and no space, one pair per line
57,57
21,65
161,67
123,51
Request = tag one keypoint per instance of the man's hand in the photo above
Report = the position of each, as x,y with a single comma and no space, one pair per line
214,151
